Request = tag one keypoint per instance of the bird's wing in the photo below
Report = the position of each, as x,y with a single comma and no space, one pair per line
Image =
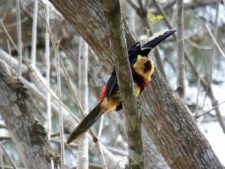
112,85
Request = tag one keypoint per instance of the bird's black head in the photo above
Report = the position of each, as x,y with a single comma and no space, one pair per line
145,46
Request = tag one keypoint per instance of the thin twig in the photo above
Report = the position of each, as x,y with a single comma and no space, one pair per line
9,50
19,36
208,111
215,41
83,159
1,159
47,57
43,82
34,34
212,55
133,5
12,25
100,126
8,35
56,50
5,152
197,98
102,157
180,51
42,97
117,151
74,91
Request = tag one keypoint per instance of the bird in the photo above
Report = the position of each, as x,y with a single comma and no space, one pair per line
142,68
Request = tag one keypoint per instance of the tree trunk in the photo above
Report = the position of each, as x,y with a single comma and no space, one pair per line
27,133
166,119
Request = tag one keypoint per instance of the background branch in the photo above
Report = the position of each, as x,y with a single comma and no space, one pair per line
180,51
27,133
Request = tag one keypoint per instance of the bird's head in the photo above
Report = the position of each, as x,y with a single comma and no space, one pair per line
143,47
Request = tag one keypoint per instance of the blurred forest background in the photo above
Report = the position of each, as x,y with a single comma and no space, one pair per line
63,75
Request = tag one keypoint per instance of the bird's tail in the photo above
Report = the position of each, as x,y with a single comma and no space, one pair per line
86,123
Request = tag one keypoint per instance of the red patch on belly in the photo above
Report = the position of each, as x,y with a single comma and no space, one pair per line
102,95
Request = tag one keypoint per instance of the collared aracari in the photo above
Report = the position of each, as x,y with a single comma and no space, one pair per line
141,67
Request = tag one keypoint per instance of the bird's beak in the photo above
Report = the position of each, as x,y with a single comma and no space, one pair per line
156,39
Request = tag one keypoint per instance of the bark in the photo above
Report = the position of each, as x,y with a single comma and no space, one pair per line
120,58
152,158
178,138
17,110
90,24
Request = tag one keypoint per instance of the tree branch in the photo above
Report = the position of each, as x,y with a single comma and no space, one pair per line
118,47
180,51
27,133
19,36
83,158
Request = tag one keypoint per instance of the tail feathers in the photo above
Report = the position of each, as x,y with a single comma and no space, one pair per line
86,123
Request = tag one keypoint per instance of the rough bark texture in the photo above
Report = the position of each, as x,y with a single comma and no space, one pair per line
16,108
166,119
177,136
94,31
152,158
120,58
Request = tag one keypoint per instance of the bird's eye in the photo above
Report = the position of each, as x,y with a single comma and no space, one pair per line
147,66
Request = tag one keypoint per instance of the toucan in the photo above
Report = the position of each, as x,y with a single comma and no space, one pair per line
142,68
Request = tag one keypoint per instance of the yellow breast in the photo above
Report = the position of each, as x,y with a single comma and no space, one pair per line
139,67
